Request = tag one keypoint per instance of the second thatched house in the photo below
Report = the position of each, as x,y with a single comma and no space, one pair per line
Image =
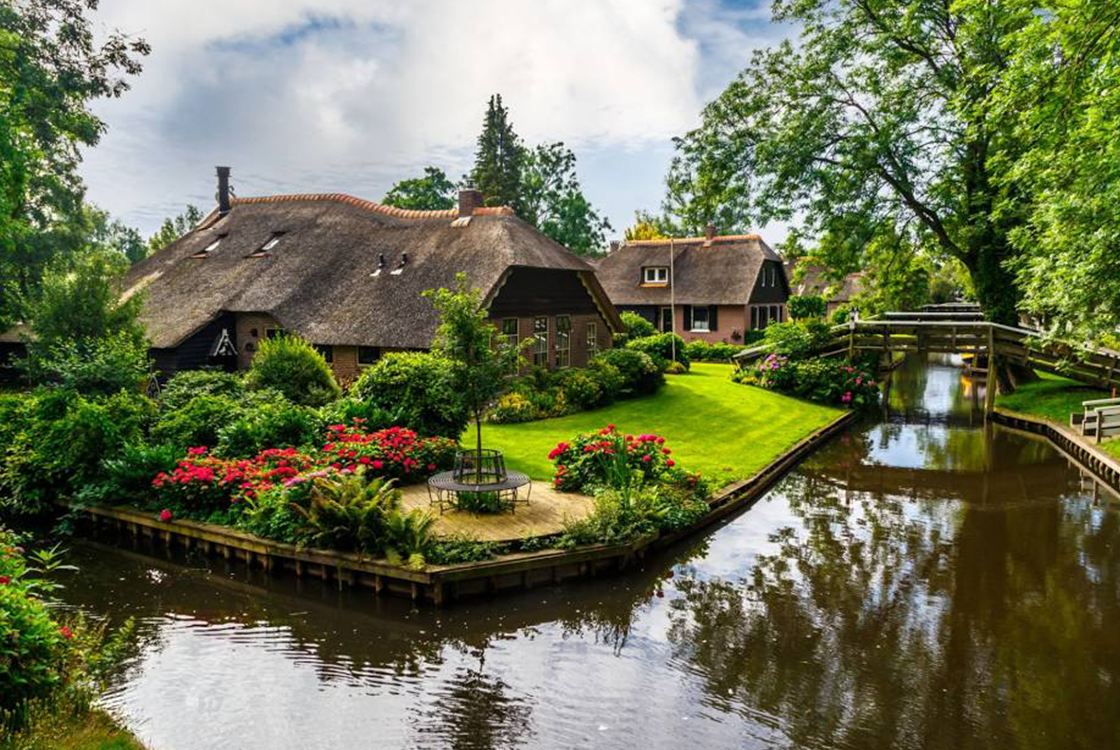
348,274
807,279
711,288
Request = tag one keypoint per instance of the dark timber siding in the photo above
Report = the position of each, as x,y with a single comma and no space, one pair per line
194,353
545,291
773,294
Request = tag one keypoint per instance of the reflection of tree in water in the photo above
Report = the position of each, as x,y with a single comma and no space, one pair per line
884,623
474,711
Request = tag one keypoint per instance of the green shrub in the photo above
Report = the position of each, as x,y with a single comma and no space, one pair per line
513,407
480,502
269,425
798,339
702,351
352,411
95,366
608,376
580,388
190,384
826,380
662,347
126,479
62,440
806,306
601,458
640,375
417,390
636,326
462,549
676,368
841,314
295,368
198,423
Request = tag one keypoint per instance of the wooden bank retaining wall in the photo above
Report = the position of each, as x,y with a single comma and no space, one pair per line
442,583
1094,460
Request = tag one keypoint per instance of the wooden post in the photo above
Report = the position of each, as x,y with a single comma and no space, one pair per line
990,388
851,340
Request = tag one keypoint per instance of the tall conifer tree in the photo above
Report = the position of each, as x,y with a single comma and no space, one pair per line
499,160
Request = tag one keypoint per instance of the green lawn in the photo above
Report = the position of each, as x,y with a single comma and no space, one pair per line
1052,396
724,430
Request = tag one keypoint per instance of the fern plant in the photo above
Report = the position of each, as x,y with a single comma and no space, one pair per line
346,512
409,536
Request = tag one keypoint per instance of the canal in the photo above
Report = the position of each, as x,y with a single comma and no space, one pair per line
922,581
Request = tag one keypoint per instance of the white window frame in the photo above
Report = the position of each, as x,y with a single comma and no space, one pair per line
563,341
540,347
591,339
707,328
655,275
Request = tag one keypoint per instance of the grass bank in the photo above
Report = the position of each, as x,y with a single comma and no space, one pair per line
1055,398
723,430
92,730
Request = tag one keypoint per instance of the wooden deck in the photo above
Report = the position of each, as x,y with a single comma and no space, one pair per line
545,514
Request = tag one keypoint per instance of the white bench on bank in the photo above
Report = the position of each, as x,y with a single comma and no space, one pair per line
1101,418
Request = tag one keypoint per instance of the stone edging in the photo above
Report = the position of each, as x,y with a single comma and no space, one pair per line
1094,460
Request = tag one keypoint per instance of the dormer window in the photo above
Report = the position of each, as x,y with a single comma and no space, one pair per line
273,241
655,275
404,262
204,252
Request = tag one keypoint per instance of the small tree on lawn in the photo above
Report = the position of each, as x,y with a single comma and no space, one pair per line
467,337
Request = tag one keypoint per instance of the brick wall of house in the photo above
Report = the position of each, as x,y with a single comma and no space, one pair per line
251,329
580,349
729,319
345,364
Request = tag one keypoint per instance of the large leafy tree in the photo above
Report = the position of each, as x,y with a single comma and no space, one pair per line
876,122
552,199
175,227
51,68
1062,93
499,159
432,192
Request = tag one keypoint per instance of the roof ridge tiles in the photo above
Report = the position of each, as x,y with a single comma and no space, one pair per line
380,208
691,240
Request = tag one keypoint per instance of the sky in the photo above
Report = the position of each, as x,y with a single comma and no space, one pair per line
301,96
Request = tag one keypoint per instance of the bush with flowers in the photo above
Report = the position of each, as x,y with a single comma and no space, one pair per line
825,380
47,664
586,460
397,452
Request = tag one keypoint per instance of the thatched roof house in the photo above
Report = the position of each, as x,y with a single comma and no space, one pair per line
715,288
813,280
347,274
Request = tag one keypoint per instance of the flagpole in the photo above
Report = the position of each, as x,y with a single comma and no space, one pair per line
672,299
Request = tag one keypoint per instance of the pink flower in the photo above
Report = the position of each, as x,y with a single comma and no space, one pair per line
165,515
199,451
378,464
666,451
670,463
647,458
847,397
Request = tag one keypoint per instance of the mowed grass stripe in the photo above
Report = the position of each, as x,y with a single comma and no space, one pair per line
723,430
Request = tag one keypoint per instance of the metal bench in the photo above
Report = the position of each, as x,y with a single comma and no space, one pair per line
1101,418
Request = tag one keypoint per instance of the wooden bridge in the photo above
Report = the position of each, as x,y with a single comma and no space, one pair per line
964,332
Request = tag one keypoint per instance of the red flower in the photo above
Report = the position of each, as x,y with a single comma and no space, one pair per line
165,515
670,462
378,464
666,451
647,458
66,632
5,580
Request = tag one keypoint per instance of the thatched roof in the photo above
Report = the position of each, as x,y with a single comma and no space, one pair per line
318,279
815,281
716,271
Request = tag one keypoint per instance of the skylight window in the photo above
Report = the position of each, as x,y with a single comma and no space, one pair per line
273,241
209,248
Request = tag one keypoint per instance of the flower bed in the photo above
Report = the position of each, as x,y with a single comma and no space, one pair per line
581,463
206,487
821,379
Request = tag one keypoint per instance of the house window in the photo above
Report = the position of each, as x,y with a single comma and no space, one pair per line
592,335
273,333
540,348
273,241
368,355
204,252
509,331
326,350
700,319
775,314
666,320
655,275
563,341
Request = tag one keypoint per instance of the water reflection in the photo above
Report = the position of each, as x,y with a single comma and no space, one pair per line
921,582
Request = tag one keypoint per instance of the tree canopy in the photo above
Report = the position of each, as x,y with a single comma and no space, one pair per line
499,159
52,66
174,228
432,192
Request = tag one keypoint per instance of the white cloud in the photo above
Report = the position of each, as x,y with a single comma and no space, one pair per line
351,95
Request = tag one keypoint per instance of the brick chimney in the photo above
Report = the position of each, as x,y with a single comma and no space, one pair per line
614,245
223,191
469,200
710,231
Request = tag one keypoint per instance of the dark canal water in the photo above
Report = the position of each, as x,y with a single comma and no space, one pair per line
920,582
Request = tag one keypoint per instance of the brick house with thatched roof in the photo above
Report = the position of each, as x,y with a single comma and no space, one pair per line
347,274
711,288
